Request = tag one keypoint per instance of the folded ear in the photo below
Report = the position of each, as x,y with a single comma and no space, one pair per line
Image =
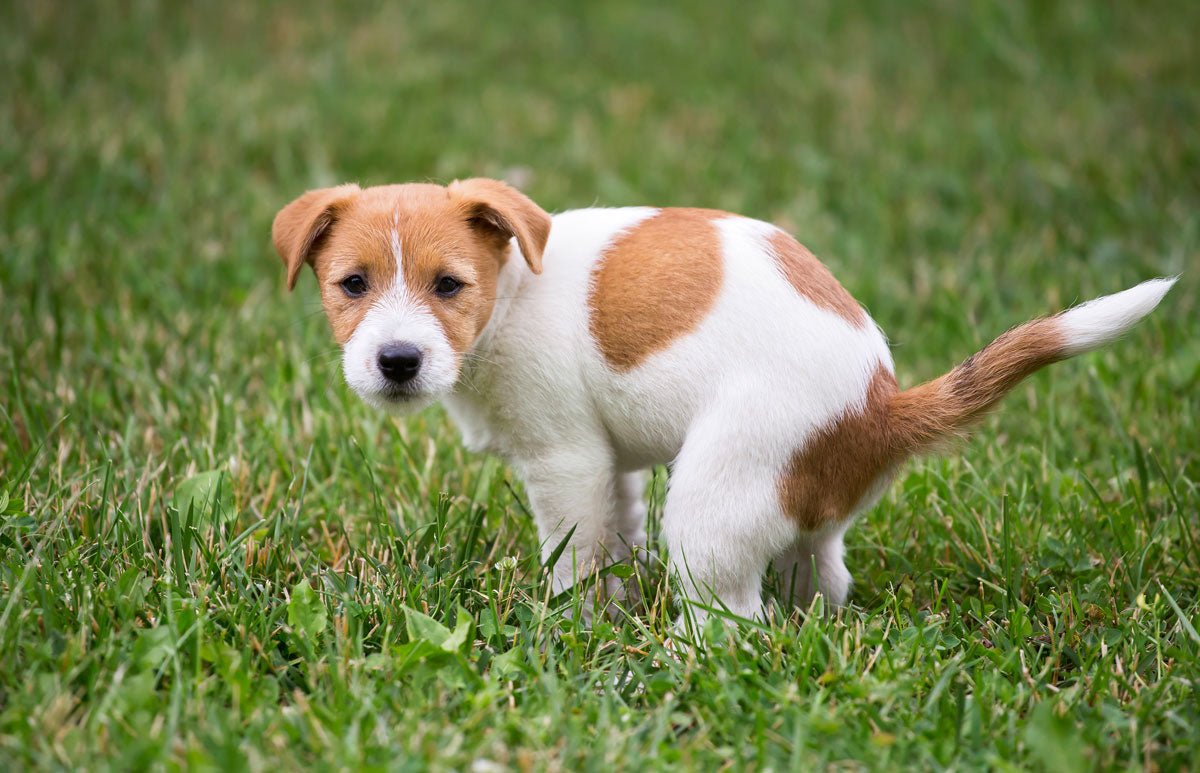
300,224
501,212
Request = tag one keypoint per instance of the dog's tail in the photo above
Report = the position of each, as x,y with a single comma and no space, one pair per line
926,416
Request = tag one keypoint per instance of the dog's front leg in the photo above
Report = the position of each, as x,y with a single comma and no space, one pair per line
572,495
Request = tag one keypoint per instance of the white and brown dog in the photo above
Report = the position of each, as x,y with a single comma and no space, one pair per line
591,345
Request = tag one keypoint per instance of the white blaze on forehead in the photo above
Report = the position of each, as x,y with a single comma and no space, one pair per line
394,239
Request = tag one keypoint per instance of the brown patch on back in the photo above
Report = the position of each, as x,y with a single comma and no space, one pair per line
830,475
813,280
654,284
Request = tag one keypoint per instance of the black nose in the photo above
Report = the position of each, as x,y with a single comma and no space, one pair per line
399,362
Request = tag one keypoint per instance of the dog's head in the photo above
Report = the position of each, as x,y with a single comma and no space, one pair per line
408,275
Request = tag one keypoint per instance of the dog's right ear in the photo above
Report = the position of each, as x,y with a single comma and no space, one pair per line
300,224
503,212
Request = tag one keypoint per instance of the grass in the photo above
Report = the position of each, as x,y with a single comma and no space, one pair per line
212,556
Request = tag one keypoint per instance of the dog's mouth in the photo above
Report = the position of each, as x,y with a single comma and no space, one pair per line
397,399
399,395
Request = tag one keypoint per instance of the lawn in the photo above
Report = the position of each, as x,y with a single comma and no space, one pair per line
213,556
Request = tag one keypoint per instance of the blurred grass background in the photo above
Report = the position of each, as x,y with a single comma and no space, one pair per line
960,166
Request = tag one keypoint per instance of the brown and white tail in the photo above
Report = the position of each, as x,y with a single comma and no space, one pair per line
928,415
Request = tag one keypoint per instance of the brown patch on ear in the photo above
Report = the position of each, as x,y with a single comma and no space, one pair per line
654,284
501,212
299,225
812,280
824,481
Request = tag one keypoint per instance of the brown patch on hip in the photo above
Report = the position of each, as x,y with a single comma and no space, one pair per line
812,280
824,481
654,284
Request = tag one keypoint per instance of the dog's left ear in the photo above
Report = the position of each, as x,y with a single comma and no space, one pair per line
501,212
299,225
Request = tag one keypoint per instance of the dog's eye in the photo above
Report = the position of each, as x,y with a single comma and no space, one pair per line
447,286
354,285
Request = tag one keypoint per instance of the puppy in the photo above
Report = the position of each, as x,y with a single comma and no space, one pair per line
588,346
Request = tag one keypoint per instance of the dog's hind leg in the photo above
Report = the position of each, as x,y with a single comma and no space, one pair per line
814,564
723,522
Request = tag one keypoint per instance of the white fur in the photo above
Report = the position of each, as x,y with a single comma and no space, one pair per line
1100,321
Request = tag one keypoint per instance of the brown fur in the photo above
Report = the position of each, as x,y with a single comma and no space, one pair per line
299,225
826,479
812,280
504,212
462,230
834,470
654,284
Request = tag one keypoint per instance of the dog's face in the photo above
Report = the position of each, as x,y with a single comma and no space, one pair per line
408,275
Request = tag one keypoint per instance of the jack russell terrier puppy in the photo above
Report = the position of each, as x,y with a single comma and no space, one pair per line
588,346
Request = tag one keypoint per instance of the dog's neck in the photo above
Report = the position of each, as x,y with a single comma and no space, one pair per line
508,284
470,404
478,361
